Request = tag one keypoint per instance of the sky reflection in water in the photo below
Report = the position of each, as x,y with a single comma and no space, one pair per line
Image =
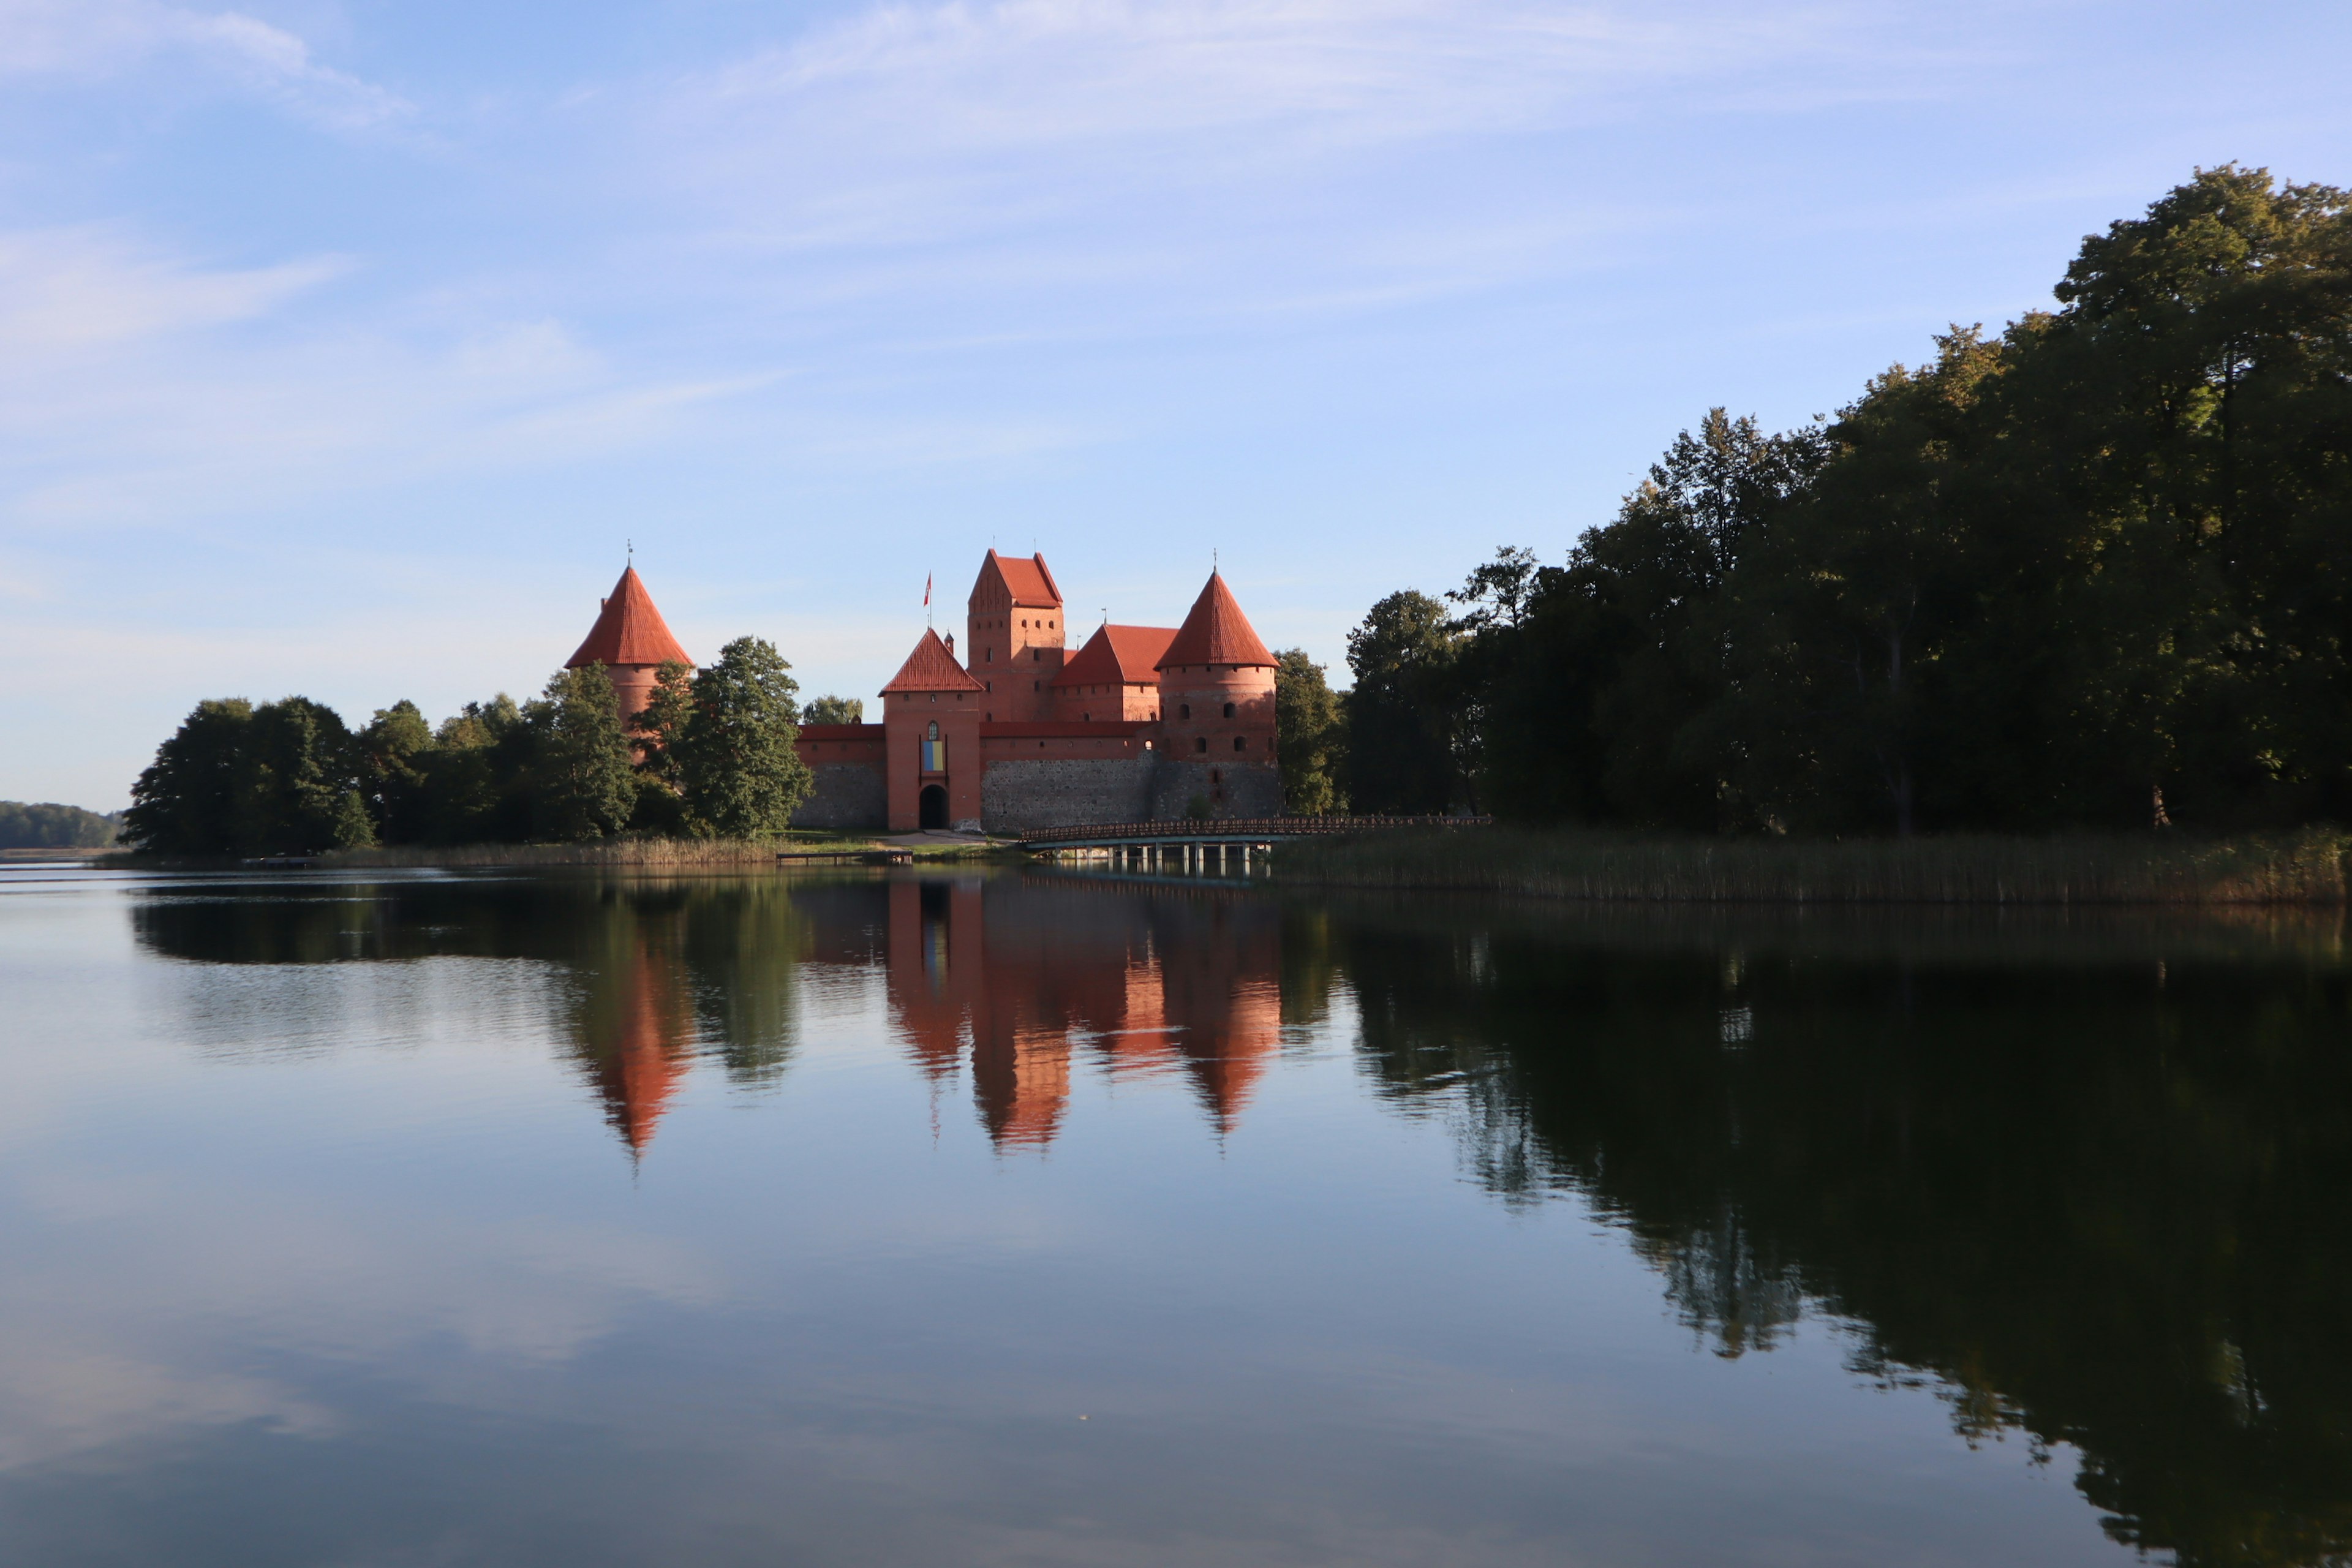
1015,1219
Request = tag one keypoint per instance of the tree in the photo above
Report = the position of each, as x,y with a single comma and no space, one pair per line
584,785
282,778
477,775
394,747
2095,570
184,801
1399,731
734,752
835,710
1310,736
49,825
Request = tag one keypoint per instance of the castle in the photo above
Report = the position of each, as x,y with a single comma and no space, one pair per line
1141,724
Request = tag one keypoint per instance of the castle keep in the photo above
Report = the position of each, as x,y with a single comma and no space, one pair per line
1140,724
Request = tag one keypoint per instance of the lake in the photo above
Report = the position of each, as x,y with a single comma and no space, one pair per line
1042,1218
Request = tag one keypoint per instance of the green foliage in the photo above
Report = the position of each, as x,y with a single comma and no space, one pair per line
283,778
394,745
49,825
835,710
2095,570
733,750
583,784
1402,721
718,759
1310,736
476,784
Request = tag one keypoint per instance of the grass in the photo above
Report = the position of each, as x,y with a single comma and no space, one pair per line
2301,867
654,854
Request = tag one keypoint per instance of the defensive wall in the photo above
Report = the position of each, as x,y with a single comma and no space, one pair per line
1040,775
1143,724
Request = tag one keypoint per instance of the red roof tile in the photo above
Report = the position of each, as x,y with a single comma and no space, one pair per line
629,630
1028,582
931,667
1216,632
1117,655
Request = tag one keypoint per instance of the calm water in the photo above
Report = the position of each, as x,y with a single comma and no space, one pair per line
1032,1220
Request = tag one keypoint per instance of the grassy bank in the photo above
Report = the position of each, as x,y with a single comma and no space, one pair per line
651,854
2305,868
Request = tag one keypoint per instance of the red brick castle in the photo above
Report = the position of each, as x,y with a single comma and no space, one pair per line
1142,723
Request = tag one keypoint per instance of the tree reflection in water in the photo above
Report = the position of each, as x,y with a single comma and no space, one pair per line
2098,1199
2088,1181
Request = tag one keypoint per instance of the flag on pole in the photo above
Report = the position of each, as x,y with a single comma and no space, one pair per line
927,589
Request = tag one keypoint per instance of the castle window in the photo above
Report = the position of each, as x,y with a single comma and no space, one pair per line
934,734
1241,742
1229,710
1200,744
1183,709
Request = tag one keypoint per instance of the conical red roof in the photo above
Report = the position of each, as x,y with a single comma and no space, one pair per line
1216,632
1117,656
629,630
931,667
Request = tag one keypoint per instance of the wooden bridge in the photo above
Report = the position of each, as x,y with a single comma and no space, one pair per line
1192,844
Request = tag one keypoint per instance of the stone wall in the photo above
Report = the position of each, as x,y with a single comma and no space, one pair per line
1239,789
847,795
1015,796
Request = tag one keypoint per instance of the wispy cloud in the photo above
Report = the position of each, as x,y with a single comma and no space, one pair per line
90,40
137,386
1021,72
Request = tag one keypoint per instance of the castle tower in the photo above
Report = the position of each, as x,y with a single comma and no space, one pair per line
1115,676
632,641
1216,686
1014,630
930,724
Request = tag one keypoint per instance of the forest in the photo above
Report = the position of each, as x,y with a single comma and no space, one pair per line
46,825
715,760
2091,572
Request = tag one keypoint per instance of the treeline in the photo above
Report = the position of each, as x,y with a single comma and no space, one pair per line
713,758
2094,572
49,825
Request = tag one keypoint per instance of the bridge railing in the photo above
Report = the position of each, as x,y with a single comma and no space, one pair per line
1240,827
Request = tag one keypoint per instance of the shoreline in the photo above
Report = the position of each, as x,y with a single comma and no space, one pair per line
607,854
2308,867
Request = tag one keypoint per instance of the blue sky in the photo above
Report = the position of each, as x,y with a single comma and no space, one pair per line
345,342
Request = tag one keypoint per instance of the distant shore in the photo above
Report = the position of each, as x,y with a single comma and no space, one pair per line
2307,866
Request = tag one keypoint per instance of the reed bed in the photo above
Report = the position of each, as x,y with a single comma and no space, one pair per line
2303,867
651,853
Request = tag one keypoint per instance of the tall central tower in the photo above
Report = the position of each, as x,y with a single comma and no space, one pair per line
1014,628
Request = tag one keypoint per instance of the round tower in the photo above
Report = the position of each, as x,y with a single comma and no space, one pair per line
632,641
1216,686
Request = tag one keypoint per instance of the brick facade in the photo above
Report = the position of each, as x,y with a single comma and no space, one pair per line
1143,724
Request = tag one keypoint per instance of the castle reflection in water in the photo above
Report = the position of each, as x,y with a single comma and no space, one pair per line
1018,983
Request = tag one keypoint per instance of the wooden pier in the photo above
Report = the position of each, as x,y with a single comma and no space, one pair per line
1230,846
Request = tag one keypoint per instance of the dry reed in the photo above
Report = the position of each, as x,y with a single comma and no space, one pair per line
657,853
2305,868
